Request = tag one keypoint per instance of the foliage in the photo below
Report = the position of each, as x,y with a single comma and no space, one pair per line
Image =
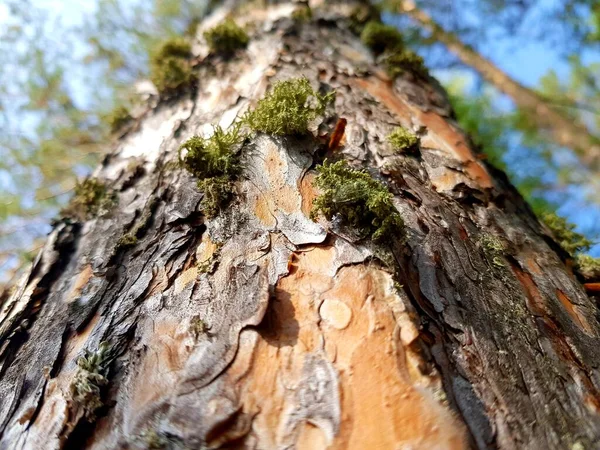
479,117
91,198
171,69
288,108
563,231
226,38
588,267
63,67
90,378
403,140
381,38
358,200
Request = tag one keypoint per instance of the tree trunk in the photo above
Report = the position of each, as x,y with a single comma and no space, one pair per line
260,328
563,130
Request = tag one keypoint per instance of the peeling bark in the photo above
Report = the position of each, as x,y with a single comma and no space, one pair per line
260,328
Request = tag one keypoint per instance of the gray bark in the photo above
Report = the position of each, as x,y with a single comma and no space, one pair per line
314,337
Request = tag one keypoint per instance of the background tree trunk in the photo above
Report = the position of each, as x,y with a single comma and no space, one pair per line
564,131
312,337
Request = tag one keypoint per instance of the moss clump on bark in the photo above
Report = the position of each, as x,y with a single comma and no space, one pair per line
90,378
226,38
197,327
493,248
213,156
91,198
153,440
588,267
288,108
171,68
218,191
126,241
405,61
302,14
563,231
381,38
358,200
361,15
403,140
387,41
214,161
118,118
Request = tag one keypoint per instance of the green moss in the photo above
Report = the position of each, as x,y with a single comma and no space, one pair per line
213,156
131,239
90,378
288,108
91,198
588,266
154,440
171,68
217,193
493,248
302,14
381,38
226,38
197,327
176,47
358,200
215,162
387,41
563,231
405,61
118,118
126,241
361,15
403,140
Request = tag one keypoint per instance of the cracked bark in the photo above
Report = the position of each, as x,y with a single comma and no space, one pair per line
313,338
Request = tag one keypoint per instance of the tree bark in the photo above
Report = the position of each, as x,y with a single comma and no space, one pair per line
261,328
563,130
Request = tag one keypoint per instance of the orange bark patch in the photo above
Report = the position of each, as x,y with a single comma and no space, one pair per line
262,211
206,250
440,134
185,278
349,320
535,302
159,282
308,192
158,370
337,135
384,92
574,312
593,288
532,265
79,283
